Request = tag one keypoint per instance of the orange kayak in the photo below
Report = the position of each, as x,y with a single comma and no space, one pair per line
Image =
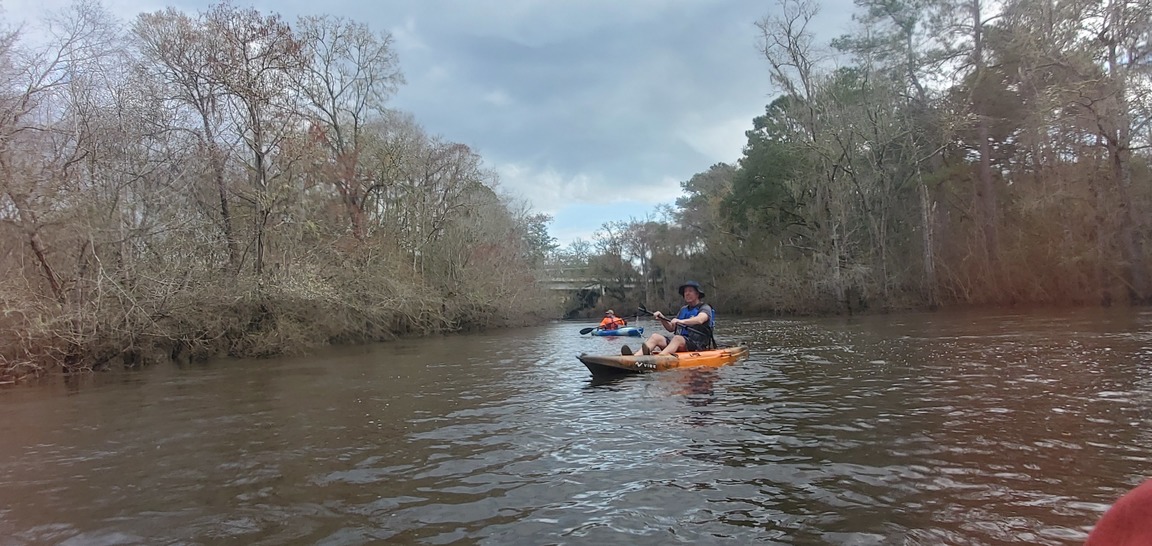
616,364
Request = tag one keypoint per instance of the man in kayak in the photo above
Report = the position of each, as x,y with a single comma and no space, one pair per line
692,327
611,321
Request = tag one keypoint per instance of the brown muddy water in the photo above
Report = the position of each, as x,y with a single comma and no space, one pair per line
943,428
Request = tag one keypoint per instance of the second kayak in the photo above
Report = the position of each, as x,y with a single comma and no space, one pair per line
625,331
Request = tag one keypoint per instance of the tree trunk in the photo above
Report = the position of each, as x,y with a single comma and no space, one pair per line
986,194
927,233
28,223
226,214
1134,257
216,157
986,204
1119,150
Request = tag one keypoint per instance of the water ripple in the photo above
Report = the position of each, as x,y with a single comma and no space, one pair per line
961,428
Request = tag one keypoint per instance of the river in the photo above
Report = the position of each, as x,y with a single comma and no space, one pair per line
921,428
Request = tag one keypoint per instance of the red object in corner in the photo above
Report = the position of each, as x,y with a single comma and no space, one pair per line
1126,523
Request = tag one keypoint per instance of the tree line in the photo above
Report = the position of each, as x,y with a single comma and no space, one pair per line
223,182
226,183
947,153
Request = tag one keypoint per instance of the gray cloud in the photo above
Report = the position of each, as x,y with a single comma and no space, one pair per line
614,96
593,101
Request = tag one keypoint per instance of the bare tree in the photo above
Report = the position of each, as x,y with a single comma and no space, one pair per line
1122,35
255,59
179,51
798,68
352,74
40,137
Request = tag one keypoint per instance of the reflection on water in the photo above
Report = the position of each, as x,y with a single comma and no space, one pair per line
976,428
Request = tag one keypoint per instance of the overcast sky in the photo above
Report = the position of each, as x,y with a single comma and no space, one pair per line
590,110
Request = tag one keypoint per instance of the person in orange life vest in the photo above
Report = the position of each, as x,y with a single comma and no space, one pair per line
1126,523
692,327
611,321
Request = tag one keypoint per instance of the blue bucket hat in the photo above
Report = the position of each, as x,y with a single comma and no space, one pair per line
693,284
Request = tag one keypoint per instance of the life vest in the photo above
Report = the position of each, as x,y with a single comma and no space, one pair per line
701,334
612,323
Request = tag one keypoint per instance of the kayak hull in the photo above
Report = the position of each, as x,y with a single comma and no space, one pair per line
625,331
605,365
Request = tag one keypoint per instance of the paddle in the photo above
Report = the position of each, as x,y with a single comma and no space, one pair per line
665,319
586,330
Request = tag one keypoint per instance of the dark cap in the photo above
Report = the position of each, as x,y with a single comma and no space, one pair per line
693,284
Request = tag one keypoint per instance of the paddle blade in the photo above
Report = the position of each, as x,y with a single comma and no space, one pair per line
585,330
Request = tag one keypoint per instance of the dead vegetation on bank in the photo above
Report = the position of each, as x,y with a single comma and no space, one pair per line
196,317
167,194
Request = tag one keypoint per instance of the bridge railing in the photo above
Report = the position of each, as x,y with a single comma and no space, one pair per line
572,278
576,271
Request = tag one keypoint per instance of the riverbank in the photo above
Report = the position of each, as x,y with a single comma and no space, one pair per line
242,319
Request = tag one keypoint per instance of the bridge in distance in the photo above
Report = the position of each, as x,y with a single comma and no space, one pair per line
573,279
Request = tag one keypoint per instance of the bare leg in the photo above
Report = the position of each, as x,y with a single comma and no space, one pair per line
656,342
677,343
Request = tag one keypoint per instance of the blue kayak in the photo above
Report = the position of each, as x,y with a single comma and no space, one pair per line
625,331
